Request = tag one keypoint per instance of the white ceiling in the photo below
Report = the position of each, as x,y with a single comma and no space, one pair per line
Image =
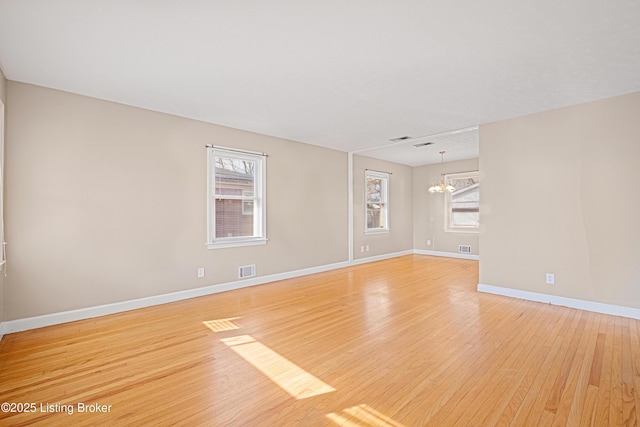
459,144
346,75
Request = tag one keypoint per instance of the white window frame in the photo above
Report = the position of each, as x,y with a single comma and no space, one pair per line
385,191
259,199
448,227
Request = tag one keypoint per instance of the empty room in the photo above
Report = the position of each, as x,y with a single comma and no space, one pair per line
319,213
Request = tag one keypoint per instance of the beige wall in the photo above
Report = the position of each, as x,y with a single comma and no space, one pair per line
107,203
428,217
3,91
400,236
559,195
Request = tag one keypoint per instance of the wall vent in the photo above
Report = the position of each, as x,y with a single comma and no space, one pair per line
464,249
246,271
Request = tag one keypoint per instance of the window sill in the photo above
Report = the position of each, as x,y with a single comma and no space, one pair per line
462,230
377,231
236,243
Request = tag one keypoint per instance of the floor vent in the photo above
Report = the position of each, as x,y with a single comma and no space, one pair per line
464,249
246,271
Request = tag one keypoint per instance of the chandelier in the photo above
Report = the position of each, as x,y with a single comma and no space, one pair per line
441,187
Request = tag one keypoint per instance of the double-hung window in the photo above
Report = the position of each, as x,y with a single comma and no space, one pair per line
462,206
236,199
377,202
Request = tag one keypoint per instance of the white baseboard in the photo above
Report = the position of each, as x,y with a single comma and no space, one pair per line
118,307
19,325
381,257
598,307
446,254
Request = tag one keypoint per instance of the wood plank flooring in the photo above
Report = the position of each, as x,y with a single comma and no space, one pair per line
401,342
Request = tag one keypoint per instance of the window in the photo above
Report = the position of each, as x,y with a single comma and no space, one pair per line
377,201
236,205
462,206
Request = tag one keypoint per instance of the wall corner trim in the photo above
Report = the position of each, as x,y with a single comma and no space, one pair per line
1,330
446,254
597,307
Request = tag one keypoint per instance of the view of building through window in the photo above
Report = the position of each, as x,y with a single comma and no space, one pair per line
236,205
377,185
463,204
234,196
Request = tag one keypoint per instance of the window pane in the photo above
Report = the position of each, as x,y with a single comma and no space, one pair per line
376,190
376,200
231,219
464,204
234,176
376,215
465,219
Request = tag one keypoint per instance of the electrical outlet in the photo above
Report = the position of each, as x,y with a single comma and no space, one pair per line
551,279
361,248
200,272
428,242
366,248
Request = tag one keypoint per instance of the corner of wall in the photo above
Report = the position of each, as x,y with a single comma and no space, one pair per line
3,97
108,192
579,304
586,235
399,238
3,87
429,218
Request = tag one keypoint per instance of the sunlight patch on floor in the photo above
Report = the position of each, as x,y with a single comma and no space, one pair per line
222,325
289,376
362,415
377,304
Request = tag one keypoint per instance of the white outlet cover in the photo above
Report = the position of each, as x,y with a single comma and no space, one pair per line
551,279
200,272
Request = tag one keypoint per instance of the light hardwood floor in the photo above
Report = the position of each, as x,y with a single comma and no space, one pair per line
402,342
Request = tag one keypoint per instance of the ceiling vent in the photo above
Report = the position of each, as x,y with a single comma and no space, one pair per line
423,144
400,138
